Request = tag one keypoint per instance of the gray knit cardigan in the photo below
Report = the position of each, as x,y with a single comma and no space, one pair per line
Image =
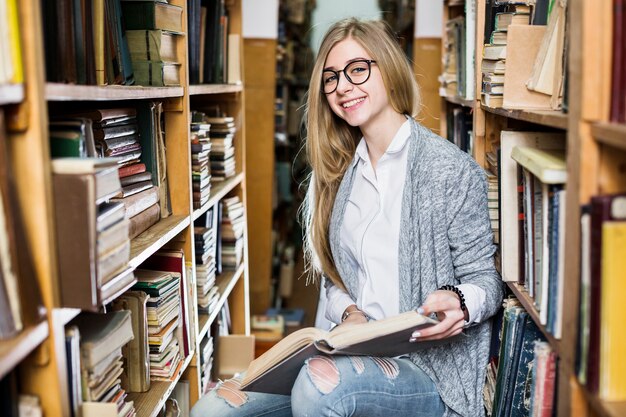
445,238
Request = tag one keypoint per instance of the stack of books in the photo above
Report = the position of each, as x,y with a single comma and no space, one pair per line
163,319
152,43
83,187
200,149
205,235
206,363
102,337
494,53
232,229
222,150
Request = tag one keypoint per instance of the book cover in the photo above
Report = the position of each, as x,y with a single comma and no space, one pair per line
276,370
509,210
152,15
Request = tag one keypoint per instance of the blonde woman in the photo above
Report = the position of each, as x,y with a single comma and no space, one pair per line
396,219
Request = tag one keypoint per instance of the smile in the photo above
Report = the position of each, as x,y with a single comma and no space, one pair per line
352,102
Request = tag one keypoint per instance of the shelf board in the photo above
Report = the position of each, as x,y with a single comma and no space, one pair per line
528,303
603,408
548,118
206,89
155,237
218,191
73,92
460,101
149,403
13,351
611,134
11,93
226,282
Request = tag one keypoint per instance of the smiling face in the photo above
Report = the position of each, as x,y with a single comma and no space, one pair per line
359,105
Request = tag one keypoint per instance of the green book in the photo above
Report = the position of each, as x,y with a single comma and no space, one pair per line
156,73
152,15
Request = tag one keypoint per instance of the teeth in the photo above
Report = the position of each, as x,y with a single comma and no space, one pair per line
352,102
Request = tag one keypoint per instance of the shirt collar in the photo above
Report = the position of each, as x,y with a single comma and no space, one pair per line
398,143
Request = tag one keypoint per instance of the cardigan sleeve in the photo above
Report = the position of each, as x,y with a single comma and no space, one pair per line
470,236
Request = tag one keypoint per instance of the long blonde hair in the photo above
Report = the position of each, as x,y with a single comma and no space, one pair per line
331,142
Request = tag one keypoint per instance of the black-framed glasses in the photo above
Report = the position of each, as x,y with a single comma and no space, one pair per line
357,72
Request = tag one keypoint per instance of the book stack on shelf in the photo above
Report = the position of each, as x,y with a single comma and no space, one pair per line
503,14
456,79
522,379
205,235
151,28
600,344
163,319
200,150
232,229
99,366
222,150
214,53
94,246
206,363
63,241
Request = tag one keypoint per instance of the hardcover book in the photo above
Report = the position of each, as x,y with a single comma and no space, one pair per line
276,370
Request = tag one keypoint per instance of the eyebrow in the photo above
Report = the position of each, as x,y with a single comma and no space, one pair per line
348,62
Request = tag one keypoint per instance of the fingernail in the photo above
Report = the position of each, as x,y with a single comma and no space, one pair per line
416,334
412,340
420,310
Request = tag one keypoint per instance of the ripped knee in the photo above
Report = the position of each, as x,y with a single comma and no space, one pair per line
324,373
230,392
388,366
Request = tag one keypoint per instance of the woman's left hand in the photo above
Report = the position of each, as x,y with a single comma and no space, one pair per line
447,306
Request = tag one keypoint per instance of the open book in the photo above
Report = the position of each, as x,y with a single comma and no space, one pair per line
276,370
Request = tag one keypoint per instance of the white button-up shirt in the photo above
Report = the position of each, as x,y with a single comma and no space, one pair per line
370,234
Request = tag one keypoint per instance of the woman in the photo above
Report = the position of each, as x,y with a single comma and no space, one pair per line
397,219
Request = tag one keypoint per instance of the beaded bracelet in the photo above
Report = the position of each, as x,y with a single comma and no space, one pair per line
458,293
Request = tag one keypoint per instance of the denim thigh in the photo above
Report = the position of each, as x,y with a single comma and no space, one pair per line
227,401
343,386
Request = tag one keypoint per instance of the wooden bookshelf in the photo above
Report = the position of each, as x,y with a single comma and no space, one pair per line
529,305
44,374
210,89
218,191
460,101
148,404
11,94
13,351
610,134
226,281
155,237
546,118
603,408
68,92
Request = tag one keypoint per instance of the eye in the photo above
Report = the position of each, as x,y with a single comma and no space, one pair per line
329,78
358,68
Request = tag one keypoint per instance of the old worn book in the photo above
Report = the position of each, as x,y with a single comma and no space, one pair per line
153,15
137,203
523,45
156,73
276,370
152,45
144,220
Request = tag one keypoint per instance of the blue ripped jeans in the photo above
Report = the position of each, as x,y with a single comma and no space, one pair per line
337,386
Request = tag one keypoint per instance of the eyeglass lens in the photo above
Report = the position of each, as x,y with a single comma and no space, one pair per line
356,72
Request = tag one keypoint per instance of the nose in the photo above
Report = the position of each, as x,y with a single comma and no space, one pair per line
343,85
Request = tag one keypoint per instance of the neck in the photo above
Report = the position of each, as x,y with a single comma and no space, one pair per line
379,134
